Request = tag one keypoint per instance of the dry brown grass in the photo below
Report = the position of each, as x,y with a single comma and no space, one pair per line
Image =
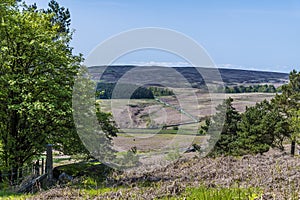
142,113
275,173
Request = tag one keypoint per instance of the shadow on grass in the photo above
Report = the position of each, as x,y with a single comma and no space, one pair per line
88,169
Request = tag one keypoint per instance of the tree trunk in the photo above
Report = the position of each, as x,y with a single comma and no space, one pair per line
14,175
1,181
293,147
49,163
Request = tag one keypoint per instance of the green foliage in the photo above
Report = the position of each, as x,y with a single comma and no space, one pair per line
294,123
290,96
95,132
106,91
204,128
255,131
61,17
93,171
9,195
288,104
205,193
37,74
106,123
252,88
261,127
160,91
201,132
226,120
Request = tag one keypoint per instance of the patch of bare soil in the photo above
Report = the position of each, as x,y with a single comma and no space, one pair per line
173,110
156,142
147,116
276,173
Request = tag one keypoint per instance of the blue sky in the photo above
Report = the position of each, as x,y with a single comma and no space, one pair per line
257,34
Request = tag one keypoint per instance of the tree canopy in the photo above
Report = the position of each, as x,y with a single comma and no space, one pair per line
288,104
260,128
37,73
226,120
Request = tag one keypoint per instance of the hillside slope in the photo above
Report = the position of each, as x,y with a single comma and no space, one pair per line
191,74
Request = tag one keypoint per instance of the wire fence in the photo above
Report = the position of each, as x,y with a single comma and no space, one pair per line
11,177
29,177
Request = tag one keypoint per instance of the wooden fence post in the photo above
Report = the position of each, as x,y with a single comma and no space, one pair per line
43,167
49,163
37,168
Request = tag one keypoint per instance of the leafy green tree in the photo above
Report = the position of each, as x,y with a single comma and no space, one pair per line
61,17
260,128
271,89
226,119
106,123
288,103
37,73
294,123
204,128
70,143
95,128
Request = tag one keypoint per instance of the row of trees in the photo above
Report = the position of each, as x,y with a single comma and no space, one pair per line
252,88
123,91
160,91
265,125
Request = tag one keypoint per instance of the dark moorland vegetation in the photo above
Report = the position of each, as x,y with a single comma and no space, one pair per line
230,77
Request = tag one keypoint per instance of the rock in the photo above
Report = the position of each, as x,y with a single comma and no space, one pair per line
64,177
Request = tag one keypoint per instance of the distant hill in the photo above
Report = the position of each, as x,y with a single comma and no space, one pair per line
249,76
112,74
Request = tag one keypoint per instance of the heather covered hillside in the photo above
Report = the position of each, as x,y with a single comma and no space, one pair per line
229,76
